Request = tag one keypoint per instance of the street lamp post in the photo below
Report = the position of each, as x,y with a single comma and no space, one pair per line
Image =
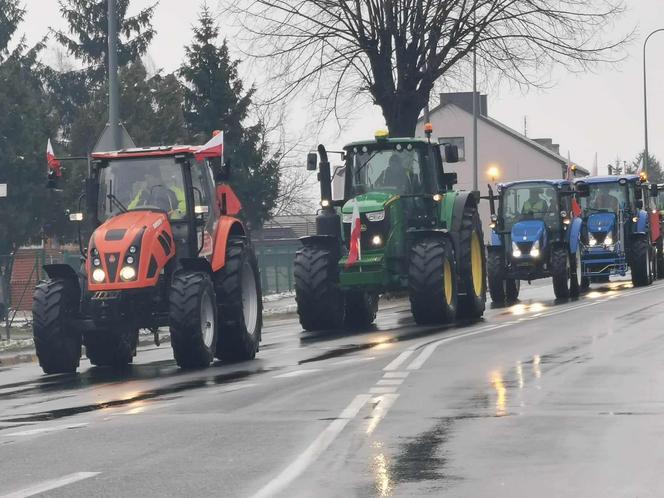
645,100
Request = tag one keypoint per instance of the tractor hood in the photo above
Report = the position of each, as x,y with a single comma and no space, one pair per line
528,231
129,251
369,202
601,222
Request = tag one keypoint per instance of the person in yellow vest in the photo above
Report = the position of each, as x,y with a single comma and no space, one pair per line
534,204
157,193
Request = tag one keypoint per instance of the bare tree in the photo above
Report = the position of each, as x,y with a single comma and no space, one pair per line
297,189
396,50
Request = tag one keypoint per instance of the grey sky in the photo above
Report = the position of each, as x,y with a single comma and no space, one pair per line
586,113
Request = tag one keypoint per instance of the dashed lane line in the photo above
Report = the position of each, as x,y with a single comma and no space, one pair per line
297,373
50,485
44,430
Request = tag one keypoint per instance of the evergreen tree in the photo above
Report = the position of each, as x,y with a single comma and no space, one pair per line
655,173
215,99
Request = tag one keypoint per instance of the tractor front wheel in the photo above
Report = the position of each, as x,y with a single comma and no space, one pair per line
57,343
361,309
432,282
193,319
320,302
560,272
640,262
512,288
496,275
105,348
240,302
660,258
471,266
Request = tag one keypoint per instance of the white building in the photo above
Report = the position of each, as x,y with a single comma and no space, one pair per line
515,156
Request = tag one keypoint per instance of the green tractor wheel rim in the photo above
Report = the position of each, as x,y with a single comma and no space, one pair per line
447,281
476,263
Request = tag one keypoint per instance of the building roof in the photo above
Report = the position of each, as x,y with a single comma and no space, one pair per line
511,132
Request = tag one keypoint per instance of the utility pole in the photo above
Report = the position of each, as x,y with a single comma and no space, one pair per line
475,188
646,157
113,83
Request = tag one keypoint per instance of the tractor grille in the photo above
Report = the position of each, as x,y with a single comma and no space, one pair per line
524,247
599,237
373,228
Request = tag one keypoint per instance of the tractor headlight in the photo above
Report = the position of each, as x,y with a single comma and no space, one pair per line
98,275
376,216
535,250
592,241
608,241
96,262
516,252
127,273
377,240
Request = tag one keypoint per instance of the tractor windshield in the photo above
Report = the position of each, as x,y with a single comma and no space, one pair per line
144,183
604,197
530,201
388,168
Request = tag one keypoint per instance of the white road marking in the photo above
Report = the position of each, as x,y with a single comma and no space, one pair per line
383,390
44,430
383,404
396,363
314,450
296,373
396,375
45,486
352,360
390,382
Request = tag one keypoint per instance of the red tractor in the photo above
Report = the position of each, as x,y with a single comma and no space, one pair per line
165,250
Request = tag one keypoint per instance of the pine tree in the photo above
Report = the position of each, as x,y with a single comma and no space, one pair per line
215,99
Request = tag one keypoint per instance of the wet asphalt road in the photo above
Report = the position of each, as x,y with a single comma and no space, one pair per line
539,398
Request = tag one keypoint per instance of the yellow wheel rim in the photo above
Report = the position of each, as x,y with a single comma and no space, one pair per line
447,281
476,263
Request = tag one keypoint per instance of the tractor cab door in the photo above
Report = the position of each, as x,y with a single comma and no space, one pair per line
206,210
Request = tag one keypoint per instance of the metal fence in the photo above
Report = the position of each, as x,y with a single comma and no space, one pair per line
275,260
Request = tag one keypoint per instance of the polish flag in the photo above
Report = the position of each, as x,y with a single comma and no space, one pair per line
53,163
214,148
576,208
355,250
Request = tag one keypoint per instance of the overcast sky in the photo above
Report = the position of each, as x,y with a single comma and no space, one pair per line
590,113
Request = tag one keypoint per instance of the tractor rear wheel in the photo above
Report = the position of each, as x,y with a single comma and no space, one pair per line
57,343
660,258
193,319
496,276
432,281
320,302
361,309
471,261
640,262
240,303
105,348
512,288
560,272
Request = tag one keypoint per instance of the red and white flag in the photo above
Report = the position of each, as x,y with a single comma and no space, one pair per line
355,249
53,163
214,148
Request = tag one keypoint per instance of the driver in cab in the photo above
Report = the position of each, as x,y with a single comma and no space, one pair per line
604,200
534,204
398,174
156,193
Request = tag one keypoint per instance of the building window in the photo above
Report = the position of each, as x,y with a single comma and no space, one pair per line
460,142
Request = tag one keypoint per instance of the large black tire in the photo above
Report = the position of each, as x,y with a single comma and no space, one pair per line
240,303
111,348
576,274
320,302
57,343
193,318
432,281
512,288
496,277
560,272
640,262
361,309
471,266
660,258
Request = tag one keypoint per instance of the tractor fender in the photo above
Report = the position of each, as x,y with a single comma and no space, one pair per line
574,235
641,223
196,264
417,234
226,227
64,272
328,242
463,200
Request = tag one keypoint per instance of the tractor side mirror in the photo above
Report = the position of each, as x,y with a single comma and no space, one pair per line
312,161
638,193
222,172
582,190
52,180
91,195
654,190
450,153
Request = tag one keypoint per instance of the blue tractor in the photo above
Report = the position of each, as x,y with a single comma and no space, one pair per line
534,235
621,229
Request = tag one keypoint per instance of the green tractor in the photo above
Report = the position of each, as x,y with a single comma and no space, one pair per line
390,221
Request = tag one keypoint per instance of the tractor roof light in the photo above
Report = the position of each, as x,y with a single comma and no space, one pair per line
381,134
325,203
493,173
428,129
643,176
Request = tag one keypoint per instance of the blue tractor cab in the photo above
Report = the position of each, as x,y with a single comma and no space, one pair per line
533,236
621,228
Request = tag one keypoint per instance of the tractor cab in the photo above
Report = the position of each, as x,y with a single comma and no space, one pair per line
620,227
